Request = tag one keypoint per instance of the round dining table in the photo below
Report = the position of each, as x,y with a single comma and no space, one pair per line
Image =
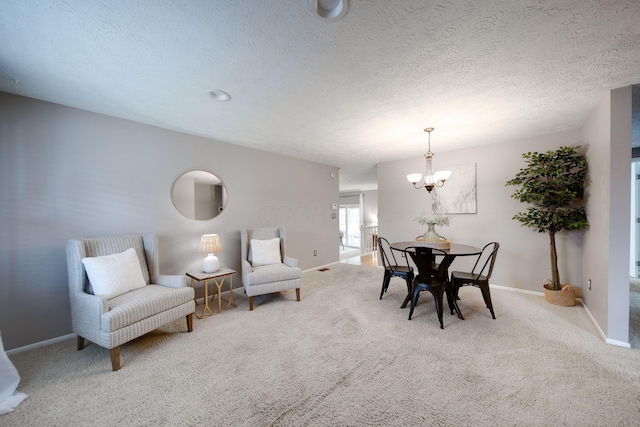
454,250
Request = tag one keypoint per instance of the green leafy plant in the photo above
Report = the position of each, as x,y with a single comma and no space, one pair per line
553,184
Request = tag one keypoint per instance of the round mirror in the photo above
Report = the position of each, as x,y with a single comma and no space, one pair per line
199,195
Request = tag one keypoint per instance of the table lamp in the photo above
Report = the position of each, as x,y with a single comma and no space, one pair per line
210,243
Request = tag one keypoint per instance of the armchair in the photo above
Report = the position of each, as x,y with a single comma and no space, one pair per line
266,279
111,322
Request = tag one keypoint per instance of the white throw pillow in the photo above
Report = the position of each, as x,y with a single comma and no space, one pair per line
116,274
265,252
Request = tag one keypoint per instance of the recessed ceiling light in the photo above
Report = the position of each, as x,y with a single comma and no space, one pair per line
331,10
219,95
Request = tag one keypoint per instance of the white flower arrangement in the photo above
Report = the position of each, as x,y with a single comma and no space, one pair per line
437,219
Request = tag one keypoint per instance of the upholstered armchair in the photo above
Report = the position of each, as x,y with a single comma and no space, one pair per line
110,321
266,268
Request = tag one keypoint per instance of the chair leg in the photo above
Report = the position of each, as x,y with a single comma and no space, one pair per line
80,343
250,303
453,305
190,322
298,294
437,297
408,297
449,292
406,301
414,301
455,288
385,284
486,294
115,358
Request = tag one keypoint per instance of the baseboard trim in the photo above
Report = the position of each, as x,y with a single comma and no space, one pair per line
40,344
320,266
586,309
522,291
618,343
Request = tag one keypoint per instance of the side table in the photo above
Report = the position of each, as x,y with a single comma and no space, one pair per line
218,279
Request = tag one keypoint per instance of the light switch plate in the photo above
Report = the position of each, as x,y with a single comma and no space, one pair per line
334,206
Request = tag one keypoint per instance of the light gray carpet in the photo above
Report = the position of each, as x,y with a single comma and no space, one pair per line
343,357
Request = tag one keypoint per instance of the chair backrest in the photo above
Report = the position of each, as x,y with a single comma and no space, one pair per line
145,245
265,233
423,257
488,255
385,252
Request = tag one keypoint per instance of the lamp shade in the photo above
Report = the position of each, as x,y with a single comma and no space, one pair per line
442,175
210,243
414,177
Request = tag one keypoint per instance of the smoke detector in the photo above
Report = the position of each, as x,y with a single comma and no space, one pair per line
331,10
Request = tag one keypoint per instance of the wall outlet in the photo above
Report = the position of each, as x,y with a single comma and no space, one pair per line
315,253
589,284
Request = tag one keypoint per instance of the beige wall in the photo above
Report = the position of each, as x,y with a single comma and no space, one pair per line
67,173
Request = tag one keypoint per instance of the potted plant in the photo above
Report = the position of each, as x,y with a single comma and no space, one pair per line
552,183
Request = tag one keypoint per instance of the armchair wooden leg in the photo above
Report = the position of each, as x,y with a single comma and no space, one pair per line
115,358
250,303
298,294
80,343
190,322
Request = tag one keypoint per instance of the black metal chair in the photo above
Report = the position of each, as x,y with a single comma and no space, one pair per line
479,278
428,279
393,269
435,265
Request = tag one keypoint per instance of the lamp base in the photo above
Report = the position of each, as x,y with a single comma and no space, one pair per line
210,263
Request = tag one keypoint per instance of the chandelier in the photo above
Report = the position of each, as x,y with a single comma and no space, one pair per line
431,179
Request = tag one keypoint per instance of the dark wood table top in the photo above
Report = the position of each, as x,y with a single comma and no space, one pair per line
455,249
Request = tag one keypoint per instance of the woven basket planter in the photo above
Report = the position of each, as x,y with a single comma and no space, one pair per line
565,297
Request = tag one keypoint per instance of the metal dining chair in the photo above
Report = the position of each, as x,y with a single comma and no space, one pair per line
428,279
478,277
393,269
435,264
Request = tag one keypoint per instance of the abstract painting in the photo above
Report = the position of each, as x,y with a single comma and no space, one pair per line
458,195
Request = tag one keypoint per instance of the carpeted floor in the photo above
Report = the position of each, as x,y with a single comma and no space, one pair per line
343,357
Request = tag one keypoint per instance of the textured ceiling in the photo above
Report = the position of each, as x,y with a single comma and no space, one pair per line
349,93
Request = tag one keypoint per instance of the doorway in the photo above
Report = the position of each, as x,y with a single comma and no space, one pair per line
350,225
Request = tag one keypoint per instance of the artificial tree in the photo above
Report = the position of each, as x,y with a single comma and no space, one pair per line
553,184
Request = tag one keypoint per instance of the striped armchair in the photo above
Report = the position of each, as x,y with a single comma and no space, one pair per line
115,321
266,279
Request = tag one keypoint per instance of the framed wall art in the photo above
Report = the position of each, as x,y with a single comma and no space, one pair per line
458,194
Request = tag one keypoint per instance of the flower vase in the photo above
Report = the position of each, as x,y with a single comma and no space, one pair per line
430,235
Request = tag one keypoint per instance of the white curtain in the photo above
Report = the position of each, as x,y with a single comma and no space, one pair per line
9,380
